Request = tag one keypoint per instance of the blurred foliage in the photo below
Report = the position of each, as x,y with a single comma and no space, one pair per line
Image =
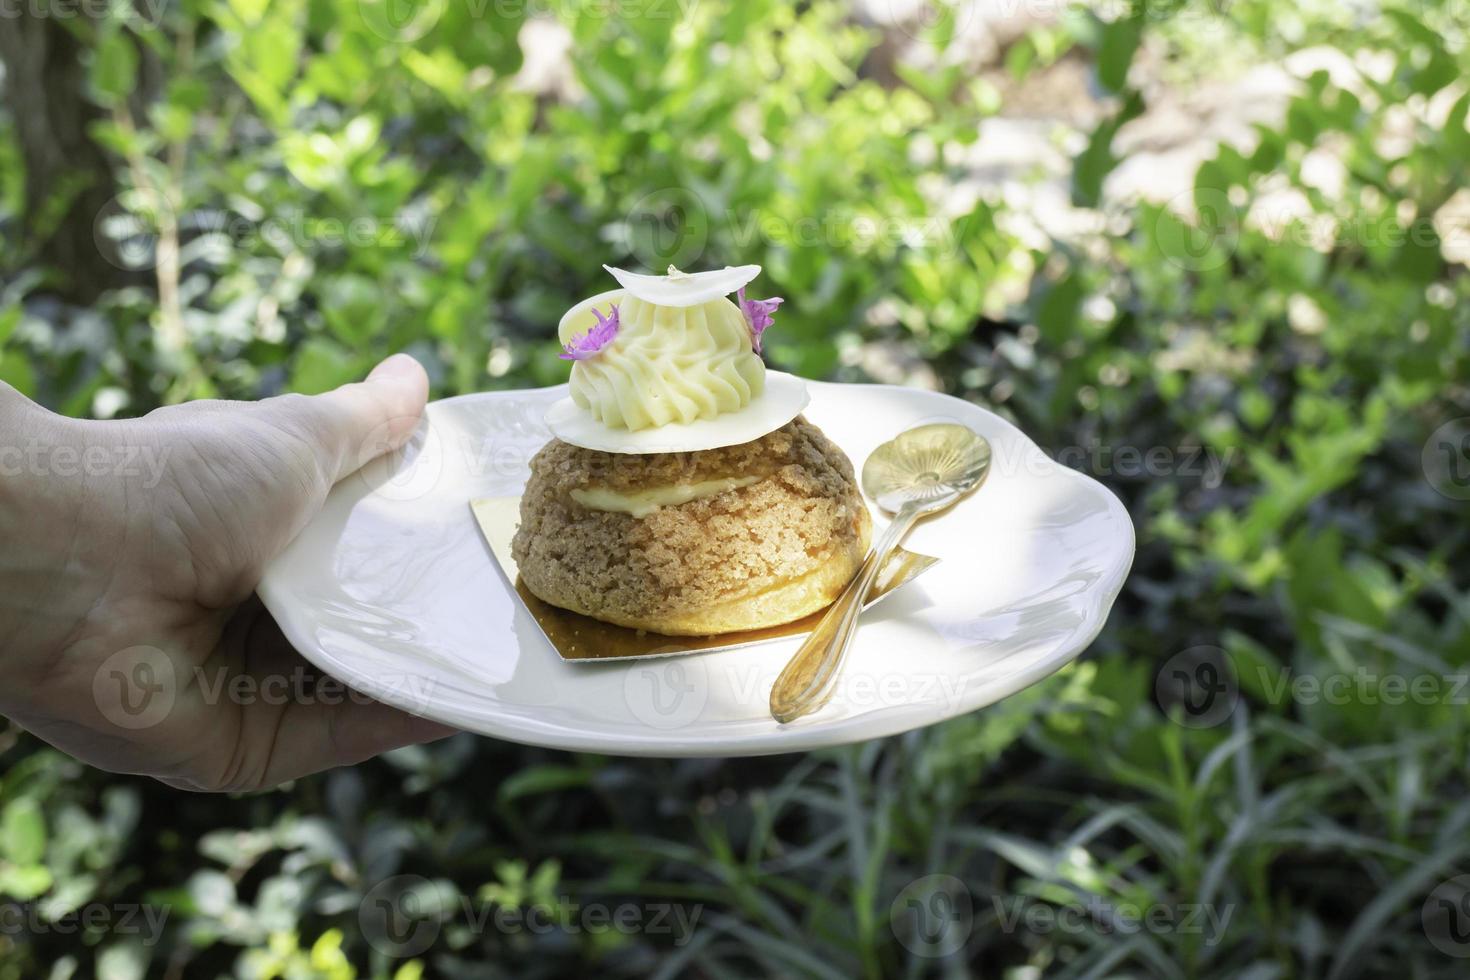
346,178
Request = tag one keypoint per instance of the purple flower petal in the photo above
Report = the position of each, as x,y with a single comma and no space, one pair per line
758,315
585,345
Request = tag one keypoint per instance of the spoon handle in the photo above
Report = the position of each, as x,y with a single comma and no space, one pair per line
807,680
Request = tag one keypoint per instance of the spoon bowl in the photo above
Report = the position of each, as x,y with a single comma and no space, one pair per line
930,466
922,471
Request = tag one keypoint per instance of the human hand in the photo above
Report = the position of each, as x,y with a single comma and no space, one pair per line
129,552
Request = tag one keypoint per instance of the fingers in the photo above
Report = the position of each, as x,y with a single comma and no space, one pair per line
356,423
312,738
319,724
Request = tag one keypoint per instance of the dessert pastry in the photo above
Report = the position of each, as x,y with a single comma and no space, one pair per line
685,494
727,539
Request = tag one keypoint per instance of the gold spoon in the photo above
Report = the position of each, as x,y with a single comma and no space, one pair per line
920,472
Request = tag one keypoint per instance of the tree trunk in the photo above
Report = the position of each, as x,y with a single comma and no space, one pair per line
45,92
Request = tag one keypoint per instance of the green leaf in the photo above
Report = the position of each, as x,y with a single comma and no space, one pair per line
412,970
123,961
213,892
1115,51
9,320
1097,160
16,372
441,71
1301,123
1269,151
189,93
542,779
249,11
1419,258
24,883
173,123
1369,929
1057,315
115,66
1439,72
491,41
321,366
23,831
354,310
1254,664
68,894
1456,136
266,54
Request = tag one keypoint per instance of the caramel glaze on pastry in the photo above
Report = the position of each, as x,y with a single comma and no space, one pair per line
694,543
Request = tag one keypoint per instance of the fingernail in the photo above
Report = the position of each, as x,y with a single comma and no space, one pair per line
393,366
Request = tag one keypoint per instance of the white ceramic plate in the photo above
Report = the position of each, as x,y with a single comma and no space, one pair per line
392,590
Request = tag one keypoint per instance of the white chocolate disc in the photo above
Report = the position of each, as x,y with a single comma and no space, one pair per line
685,288
784,398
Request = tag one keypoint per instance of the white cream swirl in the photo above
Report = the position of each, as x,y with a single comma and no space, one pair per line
666,364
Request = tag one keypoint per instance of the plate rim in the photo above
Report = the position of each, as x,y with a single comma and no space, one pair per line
806,734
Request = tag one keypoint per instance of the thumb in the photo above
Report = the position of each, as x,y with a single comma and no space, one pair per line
358,422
